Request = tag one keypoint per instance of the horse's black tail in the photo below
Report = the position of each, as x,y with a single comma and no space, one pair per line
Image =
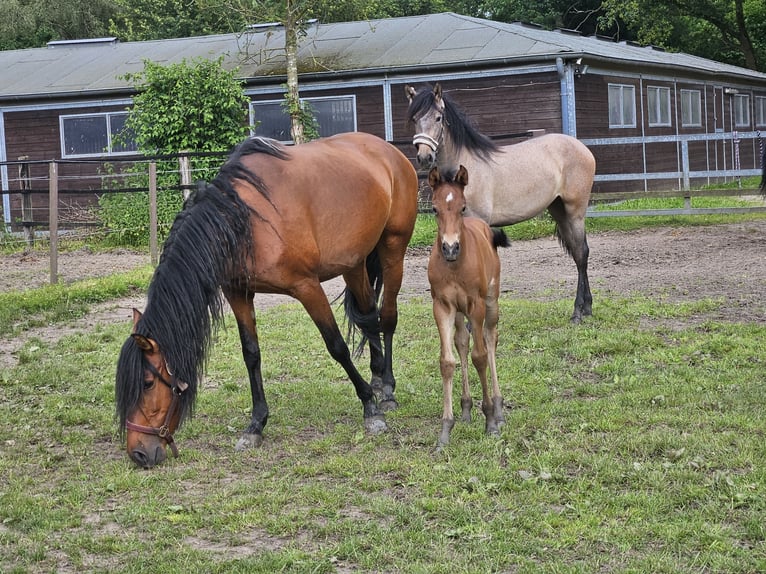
763,172
499,238
364,323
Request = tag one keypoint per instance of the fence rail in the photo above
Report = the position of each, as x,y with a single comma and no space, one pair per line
29,186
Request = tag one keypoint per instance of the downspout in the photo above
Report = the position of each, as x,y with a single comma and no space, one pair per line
566,77
4,177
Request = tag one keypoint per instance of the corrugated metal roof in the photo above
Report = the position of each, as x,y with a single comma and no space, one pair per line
436,40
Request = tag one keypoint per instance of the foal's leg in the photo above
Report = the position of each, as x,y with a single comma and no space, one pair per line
462,342
313,298
479,356
445,321
570,229
242,306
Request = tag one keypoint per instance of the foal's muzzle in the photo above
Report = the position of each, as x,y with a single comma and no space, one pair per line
450,250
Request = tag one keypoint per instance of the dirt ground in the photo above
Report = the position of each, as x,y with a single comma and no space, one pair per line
726,262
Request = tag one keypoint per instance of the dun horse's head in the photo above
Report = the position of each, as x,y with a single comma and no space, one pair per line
449,206
149,399
426,112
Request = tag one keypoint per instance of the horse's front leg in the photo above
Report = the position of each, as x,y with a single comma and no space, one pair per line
243,309
314,300
445,321
462,343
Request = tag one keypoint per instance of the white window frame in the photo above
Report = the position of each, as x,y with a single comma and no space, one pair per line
691,106
625,95
760,111
324,129
658,106
741,105
108,151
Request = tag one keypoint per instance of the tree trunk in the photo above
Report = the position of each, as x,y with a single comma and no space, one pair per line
291,52
745,43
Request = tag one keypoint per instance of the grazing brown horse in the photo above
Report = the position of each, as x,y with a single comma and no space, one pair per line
275,220
511,183
464,272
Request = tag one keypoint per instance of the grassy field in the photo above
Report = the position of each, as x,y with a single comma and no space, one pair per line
634,443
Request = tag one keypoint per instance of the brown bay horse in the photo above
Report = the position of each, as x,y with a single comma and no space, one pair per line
511,183
275,220
464,273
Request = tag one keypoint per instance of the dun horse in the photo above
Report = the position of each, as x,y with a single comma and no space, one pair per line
511,183
275,220
464,272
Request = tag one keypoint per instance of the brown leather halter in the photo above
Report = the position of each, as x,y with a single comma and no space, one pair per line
177,387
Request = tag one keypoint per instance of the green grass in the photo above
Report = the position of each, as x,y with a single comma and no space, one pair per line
21,310
634,443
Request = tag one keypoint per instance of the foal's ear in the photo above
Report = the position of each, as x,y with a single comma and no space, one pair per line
145,343
433,177
410,92
461,176
438,91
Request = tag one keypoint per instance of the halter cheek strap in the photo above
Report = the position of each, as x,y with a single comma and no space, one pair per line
177,387
425,139
164,430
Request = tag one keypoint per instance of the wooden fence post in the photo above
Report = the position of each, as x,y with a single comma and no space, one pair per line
153,213
53,220
185,168
25,185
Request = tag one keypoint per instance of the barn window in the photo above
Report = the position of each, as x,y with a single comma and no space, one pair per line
691,108
658,104
760,111
622,106
95,135
334,115
741,104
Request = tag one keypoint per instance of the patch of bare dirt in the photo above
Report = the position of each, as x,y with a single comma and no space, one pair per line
726,262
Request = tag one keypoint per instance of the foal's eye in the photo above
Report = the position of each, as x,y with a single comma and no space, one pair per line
148,384
438,119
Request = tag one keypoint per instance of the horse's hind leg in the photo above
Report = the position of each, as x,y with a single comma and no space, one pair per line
571,233
314,300
490,340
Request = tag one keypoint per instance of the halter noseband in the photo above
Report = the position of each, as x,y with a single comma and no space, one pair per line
425,139
177,387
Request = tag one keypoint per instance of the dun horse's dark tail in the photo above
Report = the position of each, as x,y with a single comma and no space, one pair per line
763,172
364,323
499,238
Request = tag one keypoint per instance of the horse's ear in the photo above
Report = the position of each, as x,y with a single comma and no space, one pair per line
462,176
438,91
136,317
410,92
145,343
433,177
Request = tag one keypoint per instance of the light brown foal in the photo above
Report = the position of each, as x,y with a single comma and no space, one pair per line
464,272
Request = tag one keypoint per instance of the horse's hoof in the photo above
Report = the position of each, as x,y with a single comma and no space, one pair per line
375,425
248,440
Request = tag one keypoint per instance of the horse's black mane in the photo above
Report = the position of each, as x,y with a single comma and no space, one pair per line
208,240
460,127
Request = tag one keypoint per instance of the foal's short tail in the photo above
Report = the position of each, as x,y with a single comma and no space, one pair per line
499,238
361,322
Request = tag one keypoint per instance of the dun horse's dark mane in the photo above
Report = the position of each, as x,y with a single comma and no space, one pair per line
460,127
211,236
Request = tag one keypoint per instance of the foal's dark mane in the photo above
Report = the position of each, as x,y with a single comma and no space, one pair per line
209,241
460,127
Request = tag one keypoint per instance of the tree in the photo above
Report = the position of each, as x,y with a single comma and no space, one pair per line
726,30
197,106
